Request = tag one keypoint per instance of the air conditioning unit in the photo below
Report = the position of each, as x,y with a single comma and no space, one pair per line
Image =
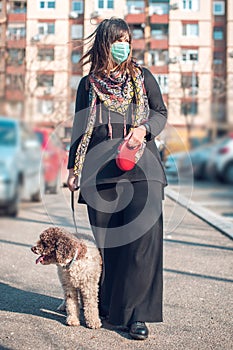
73,14
193,91
95,14
135,10
36,37
48,90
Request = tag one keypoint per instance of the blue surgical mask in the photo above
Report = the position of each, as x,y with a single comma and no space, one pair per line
120,51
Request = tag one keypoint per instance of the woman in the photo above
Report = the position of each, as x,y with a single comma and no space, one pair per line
119,98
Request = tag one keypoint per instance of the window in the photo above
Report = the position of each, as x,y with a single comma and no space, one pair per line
189,81
16,56
189,55
46,54
16,32
190,29
219,8
76,31
45,80
159,31
75,56
189,107
105,4
15,81
137,31
45,107
17,7
77,6
218,58
135,7
139,56
45,28
158,57
218,33
163,82
159,7
191,5
47,4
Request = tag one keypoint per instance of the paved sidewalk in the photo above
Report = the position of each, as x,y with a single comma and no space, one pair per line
197,291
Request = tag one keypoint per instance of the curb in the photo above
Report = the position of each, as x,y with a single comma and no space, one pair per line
214,220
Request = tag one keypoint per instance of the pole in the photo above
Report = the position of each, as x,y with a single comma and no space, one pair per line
147,33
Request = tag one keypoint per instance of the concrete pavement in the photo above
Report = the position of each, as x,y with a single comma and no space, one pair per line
197,290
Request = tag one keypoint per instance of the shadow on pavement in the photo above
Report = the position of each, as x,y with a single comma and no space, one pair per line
31,303
24,302
195,244
198,275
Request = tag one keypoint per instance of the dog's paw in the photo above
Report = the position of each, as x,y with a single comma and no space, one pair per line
94,324
62,306
72,321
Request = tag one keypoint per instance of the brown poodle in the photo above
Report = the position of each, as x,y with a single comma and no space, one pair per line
79,270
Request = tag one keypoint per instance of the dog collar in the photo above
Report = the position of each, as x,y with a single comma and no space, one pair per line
72,261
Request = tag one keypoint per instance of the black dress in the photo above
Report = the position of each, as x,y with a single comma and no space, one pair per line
125,210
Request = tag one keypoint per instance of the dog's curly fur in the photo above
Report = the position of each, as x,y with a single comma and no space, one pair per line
82,275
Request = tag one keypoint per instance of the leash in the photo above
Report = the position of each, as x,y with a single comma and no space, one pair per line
73,213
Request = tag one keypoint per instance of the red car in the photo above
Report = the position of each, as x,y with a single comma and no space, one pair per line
52,158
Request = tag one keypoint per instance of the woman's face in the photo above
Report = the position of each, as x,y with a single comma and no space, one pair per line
120,49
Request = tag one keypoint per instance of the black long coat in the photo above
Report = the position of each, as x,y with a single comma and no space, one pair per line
130,237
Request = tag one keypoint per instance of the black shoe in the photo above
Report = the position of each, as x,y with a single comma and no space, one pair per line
138,330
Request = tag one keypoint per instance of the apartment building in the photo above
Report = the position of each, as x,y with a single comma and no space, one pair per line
187,45
12,56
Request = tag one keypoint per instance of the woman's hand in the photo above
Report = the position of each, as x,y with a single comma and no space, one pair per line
72,181
137,136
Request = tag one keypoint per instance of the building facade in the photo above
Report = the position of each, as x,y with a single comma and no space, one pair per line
187,45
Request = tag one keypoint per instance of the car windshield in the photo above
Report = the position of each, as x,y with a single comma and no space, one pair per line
7,133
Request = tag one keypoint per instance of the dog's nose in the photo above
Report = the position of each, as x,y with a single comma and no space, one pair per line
33,249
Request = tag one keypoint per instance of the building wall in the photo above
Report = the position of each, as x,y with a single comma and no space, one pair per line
93,16
201,68
60,41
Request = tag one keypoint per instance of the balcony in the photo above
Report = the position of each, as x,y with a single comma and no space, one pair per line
17,17
12,68
138,44
14,94
135,18
159,69
159,18
16,43
159,43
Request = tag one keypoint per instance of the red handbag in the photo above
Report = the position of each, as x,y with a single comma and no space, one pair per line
127,156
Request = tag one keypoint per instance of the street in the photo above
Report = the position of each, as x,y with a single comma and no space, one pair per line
214,196
197,285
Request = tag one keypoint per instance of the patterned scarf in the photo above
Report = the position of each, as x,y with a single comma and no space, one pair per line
117,93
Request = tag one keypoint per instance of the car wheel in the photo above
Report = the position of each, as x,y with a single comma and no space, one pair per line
37,197
228,173
13,208
53,188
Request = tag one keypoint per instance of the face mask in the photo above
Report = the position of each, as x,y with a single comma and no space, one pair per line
120,51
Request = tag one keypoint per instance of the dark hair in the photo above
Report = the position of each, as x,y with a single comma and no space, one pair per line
107,32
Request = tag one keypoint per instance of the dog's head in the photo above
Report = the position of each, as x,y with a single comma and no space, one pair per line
56,246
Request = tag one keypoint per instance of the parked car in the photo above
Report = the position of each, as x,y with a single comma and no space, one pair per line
194,161
20,170
220,163
52,157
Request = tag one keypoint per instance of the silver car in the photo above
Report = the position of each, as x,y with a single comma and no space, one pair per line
20,165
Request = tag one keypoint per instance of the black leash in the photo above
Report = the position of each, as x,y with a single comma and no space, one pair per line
73,212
